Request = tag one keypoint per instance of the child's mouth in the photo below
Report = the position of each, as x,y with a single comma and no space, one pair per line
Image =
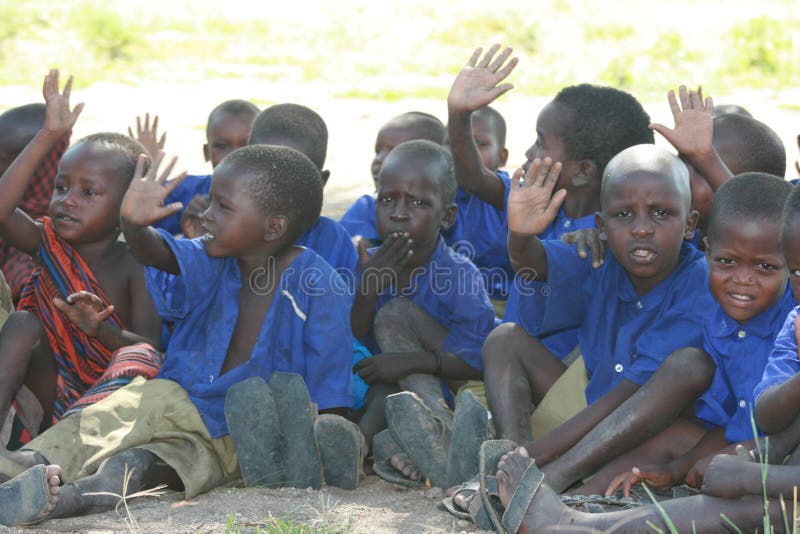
206,237
738,297
66,218
642,256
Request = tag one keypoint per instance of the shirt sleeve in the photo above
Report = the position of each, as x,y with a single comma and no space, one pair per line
783,361
359,219
328,345
174,295
560,302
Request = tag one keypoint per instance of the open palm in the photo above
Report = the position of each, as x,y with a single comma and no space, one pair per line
144,201
532,206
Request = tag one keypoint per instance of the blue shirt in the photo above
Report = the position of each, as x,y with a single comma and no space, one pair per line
190,187
305,331
450,289
783,362
328,239
622,335
740,353
359,219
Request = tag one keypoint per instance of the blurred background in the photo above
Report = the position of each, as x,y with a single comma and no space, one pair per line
358,63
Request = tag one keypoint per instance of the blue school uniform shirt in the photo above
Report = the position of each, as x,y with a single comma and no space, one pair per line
190,187
783,361
450,289
740,353
331,241
622,335
359,219
306,329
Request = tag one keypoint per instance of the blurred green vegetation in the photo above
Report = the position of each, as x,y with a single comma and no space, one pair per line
389,51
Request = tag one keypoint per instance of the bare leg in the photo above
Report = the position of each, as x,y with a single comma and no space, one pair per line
680,380
402,326
702,513
25,357
373,420
518,371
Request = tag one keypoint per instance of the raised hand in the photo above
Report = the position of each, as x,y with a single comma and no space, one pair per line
143,203
533,206
85,310
478,84
58,118
381,270
694,127
191,220
587,237
147,135
660,477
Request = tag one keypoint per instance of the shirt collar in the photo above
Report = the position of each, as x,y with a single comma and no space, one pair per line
765,324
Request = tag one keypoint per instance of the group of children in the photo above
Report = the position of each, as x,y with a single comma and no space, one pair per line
611,314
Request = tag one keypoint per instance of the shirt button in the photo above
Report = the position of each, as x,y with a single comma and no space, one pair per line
742,334
742,404
639,304
567,224
618,368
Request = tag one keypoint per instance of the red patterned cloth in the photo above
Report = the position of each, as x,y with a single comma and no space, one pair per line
17,266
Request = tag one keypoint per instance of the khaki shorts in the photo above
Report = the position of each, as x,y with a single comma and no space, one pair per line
156,415
564,400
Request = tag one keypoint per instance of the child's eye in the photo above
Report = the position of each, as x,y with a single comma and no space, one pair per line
384,199
623,213
661,212
725,261
767,267
60,188
90,192
417,202
795,272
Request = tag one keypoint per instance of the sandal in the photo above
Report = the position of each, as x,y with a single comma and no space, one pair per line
470,430
25,499
490,454
342,448
383,448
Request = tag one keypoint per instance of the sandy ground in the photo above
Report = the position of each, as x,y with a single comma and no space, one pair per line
375,507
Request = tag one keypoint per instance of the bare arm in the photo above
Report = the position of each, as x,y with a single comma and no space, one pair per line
693,134
531,209
18,229
477,85
777,406
141,207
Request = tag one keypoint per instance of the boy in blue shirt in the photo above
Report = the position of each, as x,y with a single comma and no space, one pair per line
227,129
646,301
171,429
359,219
420,304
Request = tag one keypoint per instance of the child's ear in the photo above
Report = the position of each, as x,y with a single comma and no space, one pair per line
325,175
707,247
601,225
449,218
587,173
503,157
206,154
691,224
275,227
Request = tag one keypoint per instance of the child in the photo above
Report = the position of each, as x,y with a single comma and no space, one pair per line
359,219
171,429
747,277
424,305
583,128
68,344
228,128
303,129
17,128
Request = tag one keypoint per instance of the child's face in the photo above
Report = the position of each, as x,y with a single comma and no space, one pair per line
493,155
226,133
388,137
645,220
746,270
550,143
234,225
410,200
791,254
87,194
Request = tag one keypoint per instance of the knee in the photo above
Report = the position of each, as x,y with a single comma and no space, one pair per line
24,323
501,342
691,367
393,314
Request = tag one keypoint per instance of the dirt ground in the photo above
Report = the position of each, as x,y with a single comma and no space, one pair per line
376,507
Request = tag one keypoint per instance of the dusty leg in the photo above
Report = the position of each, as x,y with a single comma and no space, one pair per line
402,326
146,471
25,356
702,513
373,420
674,387
518,371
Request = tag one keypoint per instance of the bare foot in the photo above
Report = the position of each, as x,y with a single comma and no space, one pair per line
546,509
402,463
727,474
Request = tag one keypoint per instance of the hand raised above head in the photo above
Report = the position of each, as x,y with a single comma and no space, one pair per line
143,203
478,83
147,135
532,205
694,126
58,118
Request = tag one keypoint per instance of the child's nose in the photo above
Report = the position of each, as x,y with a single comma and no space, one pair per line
642,226
743,275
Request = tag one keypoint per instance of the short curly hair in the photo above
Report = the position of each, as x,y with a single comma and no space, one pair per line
127,148
604,122
292,125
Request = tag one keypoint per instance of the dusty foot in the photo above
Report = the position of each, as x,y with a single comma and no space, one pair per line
463,494
402,463
30,497
546,509
54,484
727,475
